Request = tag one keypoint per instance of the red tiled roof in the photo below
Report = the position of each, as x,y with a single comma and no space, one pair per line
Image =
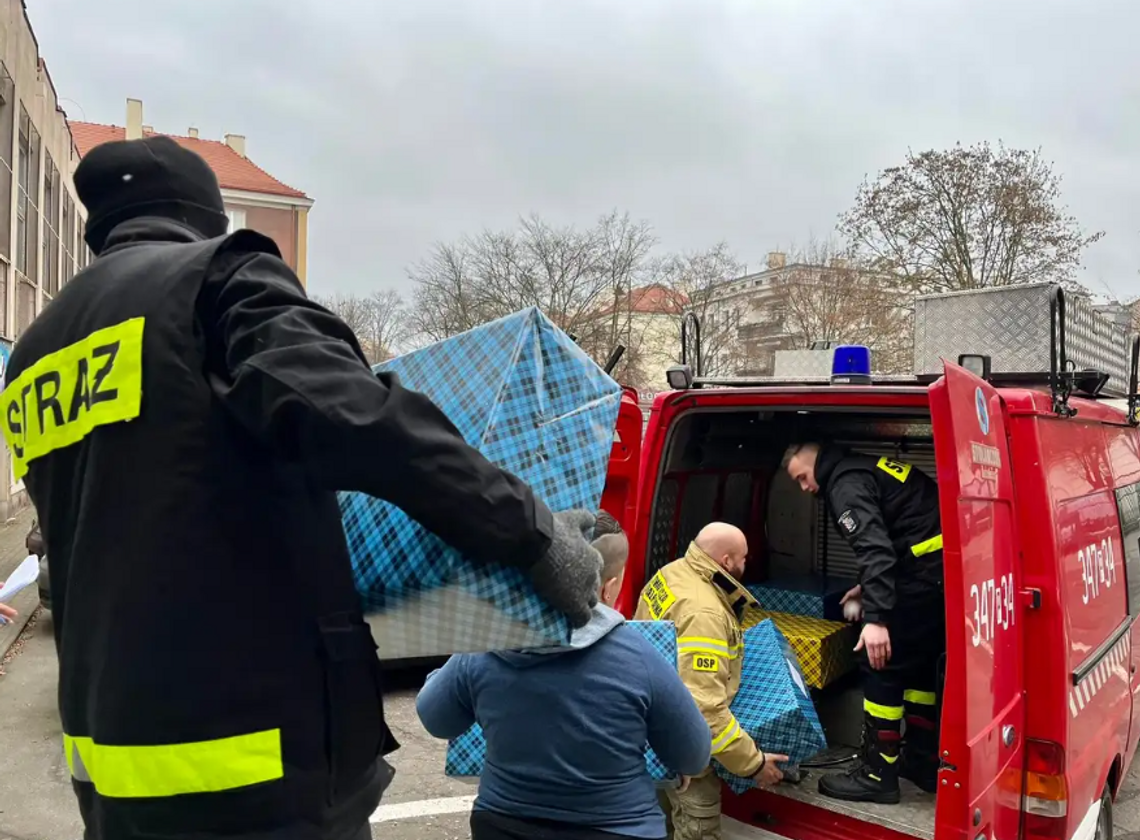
654,299
657,299
234,172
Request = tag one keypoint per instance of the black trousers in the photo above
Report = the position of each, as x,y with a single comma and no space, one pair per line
486,825
907,688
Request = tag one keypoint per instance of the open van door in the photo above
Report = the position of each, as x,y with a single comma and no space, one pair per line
620,496
983,706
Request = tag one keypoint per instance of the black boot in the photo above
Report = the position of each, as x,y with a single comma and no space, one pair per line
920,754
874,776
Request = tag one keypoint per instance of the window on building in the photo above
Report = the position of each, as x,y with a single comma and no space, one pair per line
47,227
7,98
1128,506
3,298
24,162
67,237
34,205
25,305
27,200
236,217
51,214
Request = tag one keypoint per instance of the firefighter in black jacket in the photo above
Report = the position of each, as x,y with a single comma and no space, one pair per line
182,416
888,511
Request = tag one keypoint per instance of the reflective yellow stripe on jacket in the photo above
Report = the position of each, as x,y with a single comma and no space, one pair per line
725,739
706,644
147,772
698,596
927,546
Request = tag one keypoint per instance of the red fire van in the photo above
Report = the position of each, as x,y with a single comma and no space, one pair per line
1039,481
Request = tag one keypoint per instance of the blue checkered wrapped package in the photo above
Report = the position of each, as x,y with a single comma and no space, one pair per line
465,754
815,597
523,393
773,704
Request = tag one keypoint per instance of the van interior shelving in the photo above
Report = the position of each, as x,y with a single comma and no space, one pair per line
725,465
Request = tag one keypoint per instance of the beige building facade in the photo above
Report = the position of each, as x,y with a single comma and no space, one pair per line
41,219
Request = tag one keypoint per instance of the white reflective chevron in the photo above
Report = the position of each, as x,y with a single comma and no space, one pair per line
1113,664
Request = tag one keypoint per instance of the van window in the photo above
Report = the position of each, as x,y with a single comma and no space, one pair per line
1128,505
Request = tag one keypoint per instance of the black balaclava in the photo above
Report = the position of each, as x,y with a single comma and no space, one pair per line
126,179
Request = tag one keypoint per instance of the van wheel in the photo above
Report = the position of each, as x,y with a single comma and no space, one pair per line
1104,821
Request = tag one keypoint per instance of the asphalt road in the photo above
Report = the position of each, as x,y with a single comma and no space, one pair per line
36,801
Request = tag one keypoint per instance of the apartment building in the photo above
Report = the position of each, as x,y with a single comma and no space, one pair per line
41,219
798,305
254,198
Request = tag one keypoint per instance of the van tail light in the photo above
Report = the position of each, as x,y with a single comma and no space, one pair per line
1046,792
1044,828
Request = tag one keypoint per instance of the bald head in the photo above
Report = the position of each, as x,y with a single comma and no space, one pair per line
726,545
800,461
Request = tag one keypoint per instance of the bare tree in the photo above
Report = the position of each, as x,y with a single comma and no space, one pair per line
622,265
351,309
824,296
579,278
446,301
386,327
378,320
700,277
967,218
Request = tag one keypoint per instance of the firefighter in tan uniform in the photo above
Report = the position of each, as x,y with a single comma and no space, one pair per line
701,594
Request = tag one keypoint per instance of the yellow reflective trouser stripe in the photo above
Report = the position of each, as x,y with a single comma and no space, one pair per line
65,395
920,698
927,546
725,739
883,712
890,759
175,769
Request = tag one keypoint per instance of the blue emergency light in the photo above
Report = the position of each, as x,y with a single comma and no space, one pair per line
851,365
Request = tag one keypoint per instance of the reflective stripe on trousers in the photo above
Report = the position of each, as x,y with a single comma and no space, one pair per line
145,772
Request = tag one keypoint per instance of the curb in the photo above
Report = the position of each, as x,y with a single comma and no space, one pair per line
27,603
12,553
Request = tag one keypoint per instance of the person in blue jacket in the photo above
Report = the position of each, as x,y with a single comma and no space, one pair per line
566,728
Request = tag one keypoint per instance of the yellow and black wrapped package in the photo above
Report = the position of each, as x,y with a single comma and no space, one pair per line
825,648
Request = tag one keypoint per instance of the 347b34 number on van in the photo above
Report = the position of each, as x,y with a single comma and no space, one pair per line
1098,569
993,607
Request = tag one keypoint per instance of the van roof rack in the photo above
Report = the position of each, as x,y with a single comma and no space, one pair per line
1102,347
794,381
1007,380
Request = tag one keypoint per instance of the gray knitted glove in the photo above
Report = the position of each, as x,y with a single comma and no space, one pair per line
570,573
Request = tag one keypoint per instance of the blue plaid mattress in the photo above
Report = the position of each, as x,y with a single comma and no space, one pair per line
466,753
524,394
773,704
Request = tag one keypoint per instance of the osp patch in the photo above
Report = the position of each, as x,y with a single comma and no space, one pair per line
848,522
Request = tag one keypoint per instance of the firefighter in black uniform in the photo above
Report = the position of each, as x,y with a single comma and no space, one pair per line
183,416
888,511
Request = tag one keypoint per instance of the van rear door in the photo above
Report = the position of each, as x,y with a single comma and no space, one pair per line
983,709
620,496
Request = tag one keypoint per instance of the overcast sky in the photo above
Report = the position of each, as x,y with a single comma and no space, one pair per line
754,121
